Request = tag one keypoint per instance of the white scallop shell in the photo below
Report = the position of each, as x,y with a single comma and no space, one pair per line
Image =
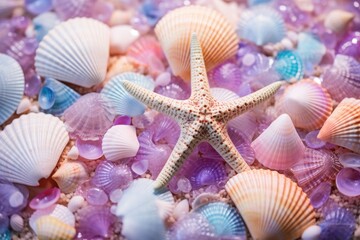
70,175
11,86
30,148
75,51
48,227
120,142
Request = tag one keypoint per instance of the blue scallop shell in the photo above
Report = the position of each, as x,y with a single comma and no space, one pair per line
55,97
12,85
261,25
310,49
122,101
288,65
225,219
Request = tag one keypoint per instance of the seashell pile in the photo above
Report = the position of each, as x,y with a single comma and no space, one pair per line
179,120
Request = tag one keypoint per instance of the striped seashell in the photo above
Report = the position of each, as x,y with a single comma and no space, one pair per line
271,211
33,140
70,175
75,51
12,85
216,35
307,104
279,146
342,128
48,227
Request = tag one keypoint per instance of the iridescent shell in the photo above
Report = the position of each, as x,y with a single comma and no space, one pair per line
33,140
13,198
279,146
288,65
342,128
307,104
216,36
343,78
12,85
268,210
89,117
347,182
123,102
75,51
310,49
70,175
261,25
48,227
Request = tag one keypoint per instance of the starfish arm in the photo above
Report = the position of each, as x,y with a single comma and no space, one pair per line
222,143
169,106
231,109
183,148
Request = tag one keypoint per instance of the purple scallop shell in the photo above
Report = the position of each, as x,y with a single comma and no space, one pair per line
227,75
66,9
89,149
89,117
109,176
176,89
312,141
315,167
13,198
45,199
348,182
350,45
338,223
94,222
320,194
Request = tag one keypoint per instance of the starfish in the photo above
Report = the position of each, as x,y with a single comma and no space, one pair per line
201,117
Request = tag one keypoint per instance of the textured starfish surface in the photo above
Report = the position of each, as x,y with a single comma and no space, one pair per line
201,117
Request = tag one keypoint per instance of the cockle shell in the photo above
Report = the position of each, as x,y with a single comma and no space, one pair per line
48,227
33,140
75,51
120,142
272,205
337,20
342,127
307,104
216,35
11,86
279,146
70,175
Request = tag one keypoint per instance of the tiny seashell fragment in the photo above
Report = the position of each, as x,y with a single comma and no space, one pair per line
24,106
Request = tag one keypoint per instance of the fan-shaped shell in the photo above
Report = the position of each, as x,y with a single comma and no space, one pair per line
279,146
343,78
261,25
342,127
70,175
288,65
33,140
11,86
307,104
271,205
225,219
120,142
310,49
75,51
216,35
123,102
48,227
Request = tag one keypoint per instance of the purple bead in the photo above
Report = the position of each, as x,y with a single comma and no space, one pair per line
320,194
312,141
96,196
140,167
350,45
13,198
38,6
351,160
45,199
4,223
122,120
32,84
89,149
348,182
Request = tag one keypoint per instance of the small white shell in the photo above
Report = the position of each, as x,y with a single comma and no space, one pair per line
120,142
76,203
16,222
70,175
24,106
311,233
75,51
121,37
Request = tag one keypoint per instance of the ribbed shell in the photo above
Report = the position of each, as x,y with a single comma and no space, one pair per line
30,148
342,128
49,227
216,35
272,205
75,51
307,104
70,175
11,86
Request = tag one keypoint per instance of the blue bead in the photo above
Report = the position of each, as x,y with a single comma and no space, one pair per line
38,6
46,98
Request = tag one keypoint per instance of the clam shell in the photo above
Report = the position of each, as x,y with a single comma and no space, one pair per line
271,205
75,51
261,25
307,104
123,102
12,84
216,36
49,227
279,146
70,175
342,127
33,140
120,142
337,20
343,78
